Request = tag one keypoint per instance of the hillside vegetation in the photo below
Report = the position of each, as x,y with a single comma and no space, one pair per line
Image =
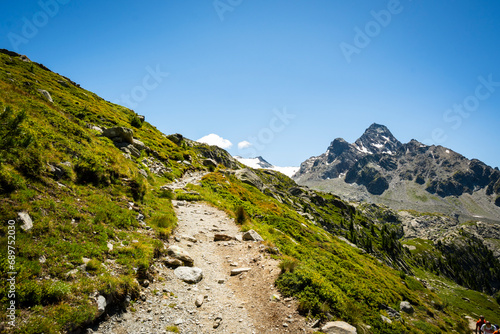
101,215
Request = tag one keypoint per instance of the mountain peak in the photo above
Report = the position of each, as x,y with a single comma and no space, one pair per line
377,139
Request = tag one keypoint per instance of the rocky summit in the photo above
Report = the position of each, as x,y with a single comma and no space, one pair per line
378,168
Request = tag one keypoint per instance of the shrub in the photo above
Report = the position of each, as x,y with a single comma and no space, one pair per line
241,216
10,180
288,264
173,329
138,188
89,170
93,265
135,121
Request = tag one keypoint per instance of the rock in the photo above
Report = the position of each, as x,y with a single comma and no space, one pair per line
143,173
406,307
189,274
199,300
172,263
238,271
338,327
178,322
46,95
179,253
101,305
71,274
145,283
110,246
209,163
138,144
222,237
63,83
248,176
141,118
190,238
252,235
25,219
119,133
385,319
133,151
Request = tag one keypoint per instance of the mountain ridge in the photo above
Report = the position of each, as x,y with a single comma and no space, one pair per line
411,175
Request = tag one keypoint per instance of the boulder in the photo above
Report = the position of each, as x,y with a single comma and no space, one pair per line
134,151
172,263
210,163
179,253
25,219
101,304
248,176
46,95
119,133
189,274
338,327
406,307
252,236
385,319
138,144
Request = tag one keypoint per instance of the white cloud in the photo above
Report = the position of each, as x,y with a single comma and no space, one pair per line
213,139
244,144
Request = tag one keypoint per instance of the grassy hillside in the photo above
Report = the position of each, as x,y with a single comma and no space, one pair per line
100,218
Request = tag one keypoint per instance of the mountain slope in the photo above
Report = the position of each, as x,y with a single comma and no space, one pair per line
378,168
95,182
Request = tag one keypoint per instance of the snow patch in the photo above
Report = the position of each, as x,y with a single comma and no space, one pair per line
259,164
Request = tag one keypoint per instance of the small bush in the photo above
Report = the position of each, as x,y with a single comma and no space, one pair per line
241,216
10,180
135,121
173,329
138,188
288,264
93,265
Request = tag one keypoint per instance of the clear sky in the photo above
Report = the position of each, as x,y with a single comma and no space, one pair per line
280,78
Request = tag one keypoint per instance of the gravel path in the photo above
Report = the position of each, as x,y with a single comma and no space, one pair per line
244,303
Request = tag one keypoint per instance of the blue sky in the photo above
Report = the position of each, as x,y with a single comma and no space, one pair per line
286,77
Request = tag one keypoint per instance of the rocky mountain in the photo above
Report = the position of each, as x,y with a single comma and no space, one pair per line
379,168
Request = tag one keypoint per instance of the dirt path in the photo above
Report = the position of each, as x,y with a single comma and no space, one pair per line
244,303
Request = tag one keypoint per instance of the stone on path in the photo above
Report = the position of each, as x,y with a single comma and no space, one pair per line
222,237
338,327
189,274
238,271
199,300
252,235
179,253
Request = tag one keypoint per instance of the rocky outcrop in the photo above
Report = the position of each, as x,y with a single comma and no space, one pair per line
119,134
